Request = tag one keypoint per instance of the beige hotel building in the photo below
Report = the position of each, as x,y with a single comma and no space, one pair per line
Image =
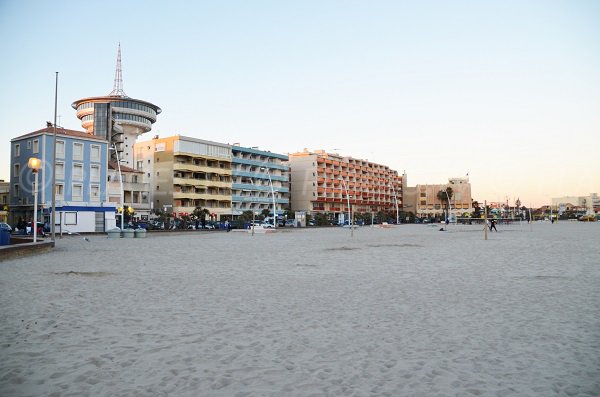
423,200
185,173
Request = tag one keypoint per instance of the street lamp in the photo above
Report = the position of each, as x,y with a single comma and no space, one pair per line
395,199
449,205
35,164
273,195
121,183
350,223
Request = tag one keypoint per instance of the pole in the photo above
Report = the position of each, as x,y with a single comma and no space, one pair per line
35,204
121,183
53,217
349,209
449,205
485,227
395,199
273,195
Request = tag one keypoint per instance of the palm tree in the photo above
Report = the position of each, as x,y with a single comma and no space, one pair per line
446,195
200,213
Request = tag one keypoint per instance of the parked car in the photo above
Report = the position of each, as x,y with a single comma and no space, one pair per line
290,223
5,227
40,228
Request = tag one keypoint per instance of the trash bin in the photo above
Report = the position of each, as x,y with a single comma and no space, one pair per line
114,233
4,237
141,233
128,233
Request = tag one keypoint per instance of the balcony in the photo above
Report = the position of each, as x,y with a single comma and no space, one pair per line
200,182
200,196
200,168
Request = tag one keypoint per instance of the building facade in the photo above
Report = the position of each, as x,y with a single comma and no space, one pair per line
4,200
81,174
257,177
185,173
424,200
590,204
136,191
322,182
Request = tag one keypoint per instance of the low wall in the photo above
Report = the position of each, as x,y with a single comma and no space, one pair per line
25,247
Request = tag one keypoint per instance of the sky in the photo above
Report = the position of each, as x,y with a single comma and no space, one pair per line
507,92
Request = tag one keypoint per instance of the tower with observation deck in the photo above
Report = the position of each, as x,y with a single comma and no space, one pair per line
117,118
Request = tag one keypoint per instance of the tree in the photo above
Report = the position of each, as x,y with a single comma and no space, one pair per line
445,196
200,213
476,210
247,216
265,213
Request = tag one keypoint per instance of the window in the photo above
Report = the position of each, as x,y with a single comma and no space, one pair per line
78,171
77,151
95,153
28,144
60,149
60,170
148,175
77,192
94,192
134,178
18,150
70,218
17,170
17,191
95,173
36,146
60,191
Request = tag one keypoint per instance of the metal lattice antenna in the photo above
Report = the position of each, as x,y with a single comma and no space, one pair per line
118,85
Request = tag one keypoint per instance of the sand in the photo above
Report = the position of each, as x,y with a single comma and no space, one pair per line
403,311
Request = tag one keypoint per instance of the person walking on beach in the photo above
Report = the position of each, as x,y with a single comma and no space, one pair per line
493,225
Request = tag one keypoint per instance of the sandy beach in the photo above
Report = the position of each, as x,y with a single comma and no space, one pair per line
402,311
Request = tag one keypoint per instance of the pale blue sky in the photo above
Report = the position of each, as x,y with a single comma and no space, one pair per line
507,91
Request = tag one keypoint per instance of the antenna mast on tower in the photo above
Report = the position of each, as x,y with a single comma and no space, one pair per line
118,84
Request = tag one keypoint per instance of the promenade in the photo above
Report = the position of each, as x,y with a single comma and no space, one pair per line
401,311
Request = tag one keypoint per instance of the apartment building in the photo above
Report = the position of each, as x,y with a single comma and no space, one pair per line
424,201
184,173
259,179
81,175
322,182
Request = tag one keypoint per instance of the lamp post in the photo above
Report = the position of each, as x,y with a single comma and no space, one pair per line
54,163
449,205
396,200
349,209
34,164
273,195
121,183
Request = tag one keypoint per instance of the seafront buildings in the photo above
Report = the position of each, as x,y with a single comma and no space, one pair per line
589,204
425,202
185,173
324,182
257,176
81,175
